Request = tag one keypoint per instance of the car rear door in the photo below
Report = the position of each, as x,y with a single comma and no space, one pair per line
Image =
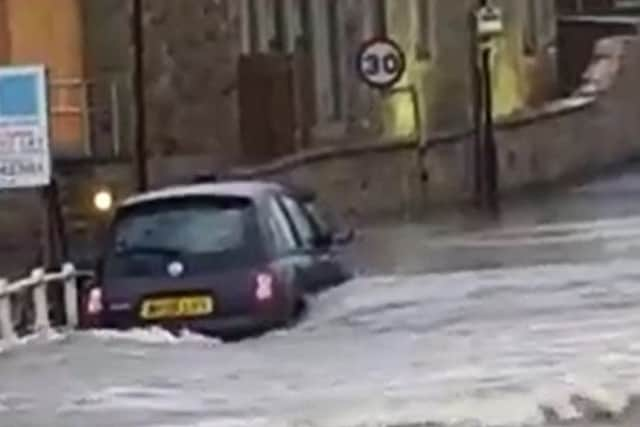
325,269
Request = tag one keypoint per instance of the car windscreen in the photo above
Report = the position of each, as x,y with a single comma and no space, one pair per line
206,234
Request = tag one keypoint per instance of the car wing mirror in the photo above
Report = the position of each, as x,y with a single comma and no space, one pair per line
344,237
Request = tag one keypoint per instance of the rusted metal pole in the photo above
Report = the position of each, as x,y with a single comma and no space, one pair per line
140,151
489,154
490,149
476,79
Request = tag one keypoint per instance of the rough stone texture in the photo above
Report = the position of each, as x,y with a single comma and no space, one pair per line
191,52
108,58
190,64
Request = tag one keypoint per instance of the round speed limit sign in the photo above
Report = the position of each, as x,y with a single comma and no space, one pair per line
381,63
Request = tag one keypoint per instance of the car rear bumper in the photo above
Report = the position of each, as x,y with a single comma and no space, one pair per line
229,327
224,327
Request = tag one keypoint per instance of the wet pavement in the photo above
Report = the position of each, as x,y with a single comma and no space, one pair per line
533,319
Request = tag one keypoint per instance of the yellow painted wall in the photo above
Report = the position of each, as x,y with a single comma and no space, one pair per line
50,32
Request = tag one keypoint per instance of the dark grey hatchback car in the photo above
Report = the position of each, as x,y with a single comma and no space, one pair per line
224,259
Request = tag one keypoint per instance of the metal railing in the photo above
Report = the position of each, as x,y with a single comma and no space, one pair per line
38,283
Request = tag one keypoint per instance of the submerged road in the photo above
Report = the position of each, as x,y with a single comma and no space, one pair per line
458,321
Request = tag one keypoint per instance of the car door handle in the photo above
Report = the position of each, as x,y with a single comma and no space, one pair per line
325,257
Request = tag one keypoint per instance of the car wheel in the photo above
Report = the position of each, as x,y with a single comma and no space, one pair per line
301,308
295,308
297,312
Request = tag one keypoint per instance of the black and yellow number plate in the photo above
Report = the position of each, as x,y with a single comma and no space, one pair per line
175,308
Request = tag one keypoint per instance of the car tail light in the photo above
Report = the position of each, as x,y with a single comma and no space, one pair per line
94,302
264,287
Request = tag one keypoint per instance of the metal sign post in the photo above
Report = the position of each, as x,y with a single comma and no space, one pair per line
25,158
489,26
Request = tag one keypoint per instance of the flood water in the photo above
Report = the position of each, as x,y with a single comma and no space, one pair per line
530,320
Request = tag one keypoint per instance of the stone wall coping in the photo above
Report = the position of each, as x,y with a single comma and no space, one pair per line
549,110
318,154
600,19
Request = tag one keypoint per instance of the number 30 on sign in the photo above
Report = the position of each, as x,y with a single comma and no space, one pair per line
381,63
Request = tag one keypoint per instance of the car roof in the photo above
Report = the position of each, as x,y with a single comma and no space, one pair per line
247,189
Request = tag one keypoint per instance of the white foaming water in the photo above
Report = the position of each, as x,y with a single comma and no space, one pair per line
531,328
133,398
48,336
153,335
504,347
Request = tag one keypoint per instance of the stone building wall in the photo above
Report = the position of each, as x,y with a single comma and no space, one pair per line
443,78
193,47
191,58
592,130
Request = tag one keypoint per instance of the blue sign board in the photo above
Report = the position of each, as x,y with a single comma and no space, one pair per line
25,159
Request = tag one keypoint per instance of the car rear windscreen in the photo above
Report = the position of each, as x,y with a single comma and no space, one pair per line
206,234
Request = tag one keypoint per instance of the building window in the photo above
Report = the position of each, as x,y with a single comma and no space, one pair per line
425,28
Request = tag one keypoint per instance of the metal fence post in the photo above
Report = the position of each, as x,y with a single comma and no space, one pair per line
40,300
6,323
70,295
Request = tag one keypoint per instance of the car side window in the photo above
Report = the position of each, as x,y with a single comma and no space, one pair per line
284,239
320,219
303,226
